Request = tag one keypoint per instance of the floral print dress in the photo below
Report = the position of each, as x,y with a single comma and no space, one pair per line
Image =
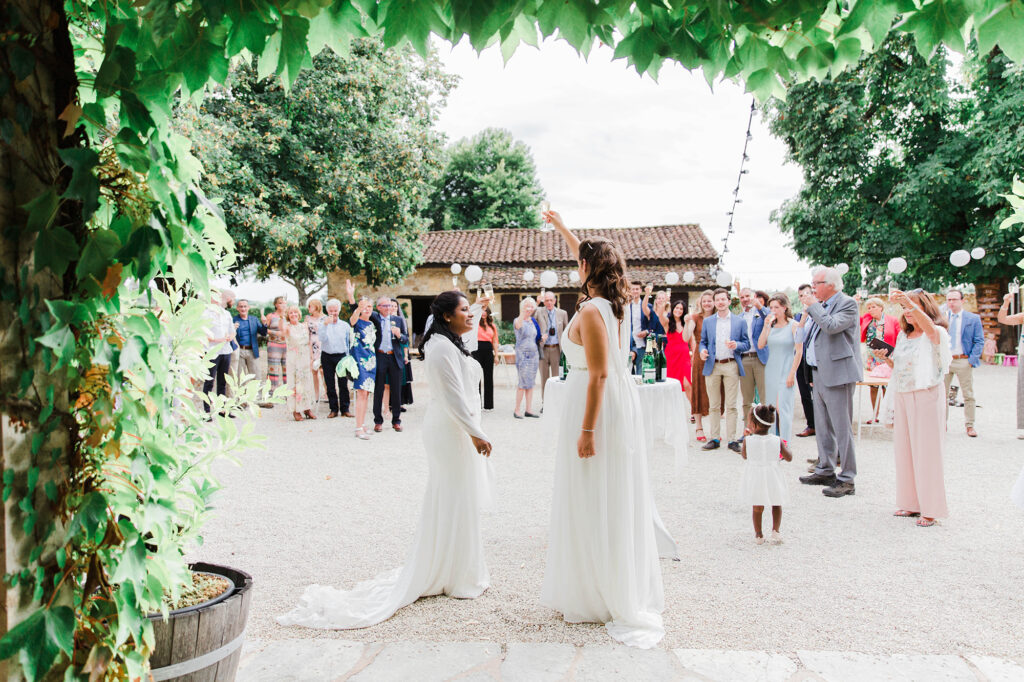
365,355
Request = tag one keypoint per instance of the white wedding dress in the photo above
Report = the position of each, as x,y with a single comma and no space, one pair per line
602,560
447,555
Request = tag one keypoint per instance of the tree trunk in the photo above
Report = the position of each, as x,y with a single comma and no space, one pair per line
29,166
305,288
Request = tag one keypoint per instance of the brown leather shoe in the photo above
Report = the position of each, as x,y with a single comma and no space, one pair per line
377,428
840,489
971,432
396,427
332,415
297,416
806,432
348,414
309,415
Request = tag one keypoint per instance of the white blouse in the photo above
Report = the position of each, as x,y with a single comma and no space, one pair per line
919,364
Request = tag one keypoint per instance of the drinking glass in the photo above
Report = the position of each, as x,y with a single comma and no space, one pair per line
489,291
1013,287
545,226
863,293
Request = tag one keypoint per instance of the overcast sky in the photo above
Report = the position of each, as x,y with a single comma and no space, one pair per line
616,150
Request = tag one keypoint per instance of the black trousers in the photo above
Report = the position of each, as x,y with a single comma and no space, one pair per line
219,374
388,374
337,387
484,354
806,399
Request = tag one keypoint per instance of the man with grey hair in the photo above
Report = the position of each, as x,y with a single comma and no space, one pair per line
335,335
391,335
553,321
247,332
832,350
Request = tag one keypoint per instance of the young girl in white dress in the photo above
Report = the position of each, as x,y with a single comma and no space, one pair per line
762,484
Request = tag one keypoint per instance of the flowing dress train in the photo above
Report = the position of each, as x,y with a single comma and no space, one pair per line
602,559
447,553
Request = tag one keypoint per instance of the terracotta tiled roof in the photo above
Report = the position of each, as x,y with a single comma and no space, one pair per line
665,243
511,278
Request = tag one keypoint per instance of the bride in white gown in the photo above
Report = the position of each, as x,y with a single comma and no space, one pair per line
602,561
447,554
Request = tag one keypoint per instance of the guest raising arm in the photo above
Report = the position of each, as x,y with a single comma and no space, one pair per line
1006,318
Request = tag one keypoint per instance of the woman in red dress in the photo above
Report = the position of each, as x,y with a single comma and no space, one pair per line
677,344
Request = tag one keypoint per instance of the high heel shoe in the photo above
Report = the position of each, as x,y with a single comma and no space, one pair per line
298,417
517,415
309,415
700,436
361,434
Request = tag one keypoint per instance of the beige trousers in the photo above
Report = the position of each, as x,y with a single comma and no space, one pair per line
752,378
961,367
918,441
727,373
550,356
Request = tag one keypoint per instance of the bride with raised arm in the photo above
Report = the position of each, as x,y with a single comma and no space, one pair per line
602,561
447,554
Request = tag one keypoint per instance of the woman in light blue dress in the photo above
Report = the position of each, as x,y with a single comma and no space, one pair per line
527,355
784,339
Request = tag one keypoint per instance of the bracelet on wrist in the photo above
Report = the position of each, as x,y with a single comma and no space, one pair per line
587,430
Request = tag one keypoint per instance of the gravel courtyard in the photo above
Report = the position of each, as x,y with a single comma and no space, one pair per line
319,506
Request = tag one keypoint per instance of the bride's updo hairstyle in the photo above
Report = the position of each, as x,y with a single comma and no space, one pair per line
606,273
445,304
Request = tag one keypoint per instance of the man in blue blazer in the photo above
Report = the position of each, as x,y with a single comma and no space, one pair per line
754,360
966,338
723,341
391,334
247,332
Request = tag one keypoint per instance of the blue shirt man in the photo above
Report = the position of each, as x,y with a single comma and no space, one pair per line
334,336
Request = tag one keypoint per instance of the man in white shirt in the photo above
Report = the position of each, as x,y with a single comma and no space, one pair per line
723,340
967,338
637,327
754,359
220,333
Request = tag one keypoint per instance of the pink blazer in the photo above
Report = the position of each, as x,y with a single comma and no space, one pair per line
890,328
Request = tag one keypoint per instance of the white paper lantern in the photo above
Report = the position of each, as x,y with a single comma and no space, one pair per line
842,268
671,278
548,279
977,253
528,276
687,276
574,276
897,265
724,279
960,258
456,268
474,273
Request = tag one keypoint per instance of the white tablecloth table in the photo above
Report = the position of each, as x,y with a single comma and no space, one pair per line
665,409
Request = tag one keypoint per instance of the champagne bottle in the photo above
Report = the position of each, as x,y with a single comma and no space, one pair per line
661,363
649,362
563,368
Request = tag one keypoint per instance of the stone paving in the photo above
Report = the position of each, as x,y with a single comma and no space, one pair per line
312,660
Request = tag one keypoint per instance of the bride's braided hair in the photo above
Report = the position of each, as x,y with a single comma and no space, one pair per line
607,273
445,304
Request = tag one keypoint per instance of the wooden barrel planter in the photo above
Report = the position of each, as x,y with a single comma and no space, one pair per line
204,642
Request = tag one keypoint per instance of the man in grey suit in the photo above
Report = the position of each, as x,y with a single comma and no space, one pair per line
553,321
832,351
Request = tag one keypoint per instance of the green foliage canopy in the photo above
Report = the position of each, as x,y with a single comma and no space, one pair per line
100,188
334,174
489,181
901,158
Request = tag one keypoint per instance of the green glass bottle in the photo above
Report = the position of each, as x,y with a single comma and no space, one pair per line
661,366
649,362
563,368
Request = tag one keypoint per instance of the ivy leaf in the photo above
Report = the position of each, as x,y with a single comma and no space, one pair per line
335,27
112,280
39,640
162,17
61,340
874,15
412,20
23,62
574,25
55,249
135,113
42,210
286,50
250,32
83,185
1004,28
99,251
939,21
132,566
91,518
639,47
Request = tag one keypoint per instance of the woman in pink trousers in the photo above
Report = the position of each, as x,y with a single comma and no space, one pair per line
918,406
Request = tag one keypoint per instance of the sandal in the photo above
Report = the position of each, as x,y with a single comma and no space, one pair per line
700,436
926,522
309,415
298,417
905,513
361,434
